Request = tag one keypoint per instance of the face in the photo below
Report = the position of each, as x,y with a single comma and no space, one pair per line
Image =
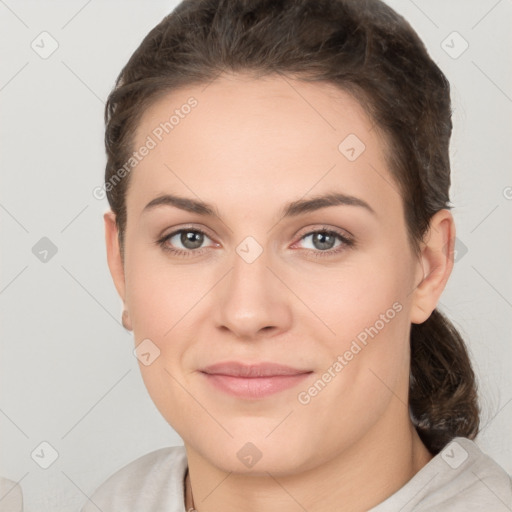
268,272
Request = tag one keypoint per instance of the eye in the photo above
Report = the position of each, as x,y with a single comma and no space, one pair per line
190,239
323,242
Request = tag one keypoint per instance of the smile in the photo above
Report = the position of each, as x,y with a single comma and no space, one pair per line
253,381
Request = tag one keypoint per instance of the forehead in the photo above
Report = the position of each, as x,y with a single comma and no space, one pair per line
250,136
240,103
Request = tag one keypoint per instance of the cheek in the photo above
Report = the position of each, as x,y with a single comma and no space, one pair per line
366,306
370,315
170,393
353,296
164,300
158,298
158,293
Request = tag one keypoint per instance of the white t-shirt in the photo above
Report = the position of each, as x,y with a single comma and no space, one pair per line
11,498
461,478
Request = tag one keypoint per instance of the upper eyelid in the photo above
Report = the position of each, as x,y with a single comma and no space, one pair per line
174,232
323,228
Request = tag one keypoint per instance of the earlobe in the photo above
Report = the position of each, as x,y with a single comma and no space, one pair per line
435,264
125,320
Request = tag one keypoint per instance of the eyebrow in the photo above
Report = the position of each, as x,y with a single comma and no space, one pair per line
293,209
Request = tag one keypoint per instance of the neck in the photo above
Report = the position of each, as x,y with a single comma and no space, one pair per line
357,479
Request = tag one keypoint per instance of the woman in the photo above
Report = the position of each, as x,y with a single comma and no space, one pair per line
280,235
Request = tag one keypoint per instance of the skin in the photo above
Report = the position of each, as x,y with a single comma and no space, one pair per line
251,146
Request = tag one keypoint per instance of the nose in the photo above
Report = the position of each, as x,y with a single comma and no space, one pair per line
252,301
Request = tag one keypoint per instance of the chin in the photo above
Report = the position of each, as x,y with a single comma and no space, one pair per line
255,455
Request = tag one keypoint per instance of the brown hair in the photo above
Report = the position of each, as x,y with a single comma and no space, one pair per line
366,49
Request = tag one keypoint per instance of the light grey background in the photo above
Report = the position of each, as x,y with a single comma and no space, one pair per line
68,375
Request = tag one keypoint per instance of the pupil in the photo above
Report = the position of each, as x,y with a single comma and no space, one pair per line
191,239
323,241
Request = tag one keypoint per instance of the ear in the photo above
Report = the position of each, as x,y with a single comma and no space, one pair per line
115,262
435,265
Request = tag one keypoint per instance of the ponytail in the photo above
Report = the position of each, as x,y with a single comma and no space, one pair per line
443,399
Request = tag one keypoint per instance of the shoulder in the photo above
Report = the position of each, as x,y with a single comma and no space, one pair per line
478,477
12,496
151,482
460,478
468,480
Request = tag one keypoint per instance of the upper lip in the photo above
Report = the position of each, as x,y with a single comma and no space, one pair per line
238,369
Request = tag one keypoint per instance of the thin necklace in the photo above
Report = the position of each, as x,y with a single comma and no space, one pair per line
188,493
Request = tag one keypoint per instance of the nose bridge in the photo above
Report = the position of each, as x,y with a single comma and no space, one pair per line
250,275
250,299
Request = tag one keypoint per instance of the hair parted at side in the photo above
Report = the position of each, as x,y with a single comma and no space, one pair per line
366,49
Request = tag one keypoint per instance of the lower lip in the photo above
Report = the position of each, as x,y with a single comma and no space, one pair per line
254,387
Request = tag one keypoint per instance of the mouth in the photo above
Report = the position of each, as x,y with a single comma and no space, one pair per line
253,381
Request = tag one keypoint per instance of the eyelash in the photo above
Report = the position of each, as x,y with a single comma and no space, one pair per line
346,243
